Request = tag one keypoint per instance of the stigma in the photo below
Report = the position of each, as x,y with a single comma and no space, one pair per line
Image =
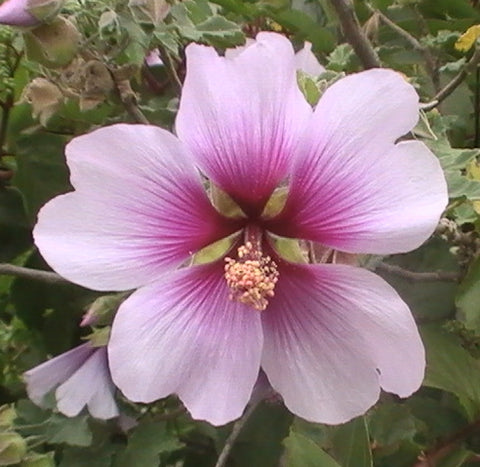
251,277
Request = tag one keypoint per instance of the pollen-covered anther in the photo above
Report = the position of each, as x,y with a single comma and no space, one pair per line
252,277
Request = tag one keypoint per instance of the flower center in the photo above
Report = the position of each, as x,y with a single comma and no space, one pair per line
251,277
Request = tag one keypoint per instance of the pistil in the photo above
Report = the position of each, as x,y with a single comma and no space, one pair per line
251,277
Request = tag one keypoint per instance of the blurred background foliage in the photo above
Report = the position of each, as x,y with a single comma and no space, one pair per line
97,75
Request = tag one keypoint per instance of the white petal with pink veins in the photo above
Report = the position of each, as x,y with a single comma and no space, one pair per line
91,385
139,209
183,335
352,188
334,335
44,377
242,116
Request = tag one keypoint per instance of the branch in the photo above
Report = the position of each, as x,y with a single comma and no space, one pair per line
170,68
237,428
130,103
443,447
126,94
5,108
354,34
34,274
429,62
454,83
442,276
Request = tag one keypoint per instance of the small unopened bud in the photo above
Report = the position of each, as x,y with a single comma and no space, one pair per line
53,45
45,98
102,310
149,11
7,416
12,448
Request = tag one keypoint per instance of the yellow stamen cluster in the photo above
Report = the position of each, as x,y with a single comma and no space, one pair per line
251,277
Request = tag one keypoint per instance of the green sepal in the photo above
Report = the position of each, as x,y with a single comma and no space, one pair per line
224,203
276,203
216,250
99,337
288,249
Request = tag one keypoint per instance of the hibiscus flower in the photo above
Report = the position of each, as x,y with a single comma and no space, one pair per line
328,336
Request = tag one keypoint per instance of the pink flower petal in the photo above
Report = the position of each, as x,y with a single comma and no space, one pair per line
234,52
153,58
242,116
352,188
327,331
91,385
139,209
14,13
306,61
44,377
182,335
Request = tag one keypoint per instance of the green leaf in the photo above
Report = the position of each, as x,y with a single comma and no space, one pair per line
165,35
183,22
308,86
42,173
30,414
351,444
341,57
427,300
39,460
96,456
15,234
468,297
392,423
220,32
248,10
459,186
440,419
145,445
451,368
195,21
260,442
457,458
301,451
53,309
69,430
198,10
305,27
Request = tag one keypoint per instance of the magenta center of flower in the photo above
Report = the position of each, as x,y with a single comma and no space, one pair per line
251,277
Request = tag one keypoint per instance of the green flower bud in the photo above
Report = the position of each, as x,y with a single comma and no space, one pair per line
12,448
